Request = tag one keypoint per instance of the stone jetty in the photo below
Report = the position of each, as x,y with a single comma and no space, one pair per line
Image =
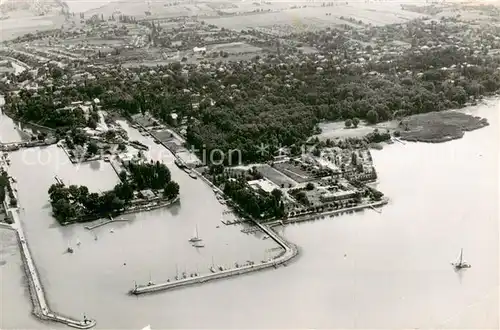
40,306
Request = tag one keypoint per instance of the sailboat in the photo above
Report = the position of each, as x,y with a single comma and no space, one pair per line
195,238
460,263
198,244
212,268
150,281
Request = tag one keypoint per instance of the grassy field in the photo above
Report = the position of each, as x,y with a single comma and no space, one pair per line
337,130
234,48
275,176
294,172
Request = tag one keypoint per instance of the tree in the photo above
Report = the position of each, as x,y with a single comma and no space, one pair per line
123,176
372,117
348,123
92,123
122,147
171,190
276,193
310,186
92,148
355,122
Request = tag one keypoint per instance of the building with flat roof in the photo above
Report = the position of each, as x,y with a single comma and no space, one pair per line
337,196
263,184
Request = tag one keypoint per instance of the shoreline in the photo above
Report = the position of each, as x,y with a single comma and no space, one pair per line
141,208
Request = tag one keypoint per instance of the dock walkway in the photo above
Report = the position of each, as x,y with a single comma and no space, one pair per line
105,223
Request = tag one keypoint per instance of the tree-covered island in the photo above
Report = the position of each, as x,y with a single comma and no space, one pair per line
143,185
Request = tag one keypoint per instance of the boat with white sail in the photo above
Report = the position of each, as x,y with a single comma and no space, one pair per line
460,263
196,237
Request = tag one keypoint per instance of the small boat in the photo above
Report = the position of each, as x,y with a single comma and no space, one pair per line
195,238
221,268
212,269
199,245
178,163
111,230
192,175
78,242
460,263
69,249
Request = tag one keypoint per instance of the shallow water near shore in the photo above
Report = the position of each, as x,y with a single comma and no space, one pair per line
365,270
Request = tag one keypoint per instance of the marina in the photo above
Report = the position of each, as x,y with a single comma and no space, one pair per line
290,251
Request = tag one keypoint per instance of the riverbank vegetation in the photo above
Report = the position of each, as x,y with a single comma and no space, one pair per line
5,188
77,204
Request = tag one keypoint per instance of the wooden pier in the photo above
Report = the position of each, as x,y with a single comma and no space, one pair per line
111,219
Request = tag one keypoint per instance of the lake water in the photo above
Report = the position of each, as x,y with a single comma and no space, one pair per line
366,270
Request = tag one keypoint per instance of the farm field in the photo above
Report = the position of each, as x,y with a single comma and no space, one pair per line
234,48
19,24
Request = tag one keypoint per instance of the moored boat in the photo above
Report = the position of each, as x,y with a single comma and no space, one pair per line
195,237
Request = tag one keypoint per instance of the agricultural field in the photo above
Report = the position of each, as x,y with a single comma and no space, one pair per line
234,48
315,17
18,24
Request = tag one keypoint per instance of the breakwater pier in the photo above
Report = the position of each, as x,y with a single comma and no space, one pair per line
40,305
290,251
